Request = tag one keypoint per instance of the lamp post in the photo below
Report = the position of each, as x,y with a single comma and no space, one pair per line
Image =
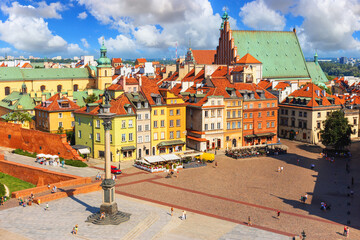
109,206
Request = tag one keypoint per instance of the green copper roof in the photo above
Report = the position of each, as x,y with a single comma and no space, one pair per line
19,74
80,96
15,99
279,52
316,73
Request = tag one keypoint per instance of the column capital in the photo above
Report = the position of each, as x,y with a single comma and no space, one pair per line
107,124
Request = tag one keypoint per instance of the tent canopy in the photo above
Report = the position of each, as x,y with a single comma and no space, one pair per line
40,155
162,158
84,151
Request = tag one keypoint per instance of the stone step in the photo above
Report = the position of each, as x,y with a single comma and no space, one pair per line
173,224
142,227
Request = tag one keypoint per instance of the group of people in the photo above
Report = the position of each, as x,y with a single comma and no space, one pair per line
183,217
304,198
98,176
280,169
26,201
3,200
324,206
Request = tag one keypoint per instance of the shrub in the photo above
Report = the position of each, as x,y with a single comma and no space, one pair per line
75,163
24,153
2,190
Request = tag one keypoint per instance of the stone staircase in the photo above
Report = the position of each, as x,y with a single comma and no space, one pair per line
142,227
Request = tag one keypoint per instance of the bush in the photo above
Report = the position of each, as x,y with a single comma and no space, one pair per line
2,190
75,163
24,153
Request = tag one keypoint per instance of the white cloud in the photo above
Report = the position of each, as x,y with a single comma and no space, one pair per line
26,29
159,24
74,49
85,43
258,15
82,15
329,25
120,44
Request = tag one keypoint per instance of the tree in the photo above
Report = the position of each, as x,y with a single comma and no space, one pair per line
91,98
337,131
60,130
18,117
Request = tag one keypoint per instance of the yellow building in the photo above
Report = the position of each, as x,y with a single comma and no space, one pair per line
104,70
89,130
55,114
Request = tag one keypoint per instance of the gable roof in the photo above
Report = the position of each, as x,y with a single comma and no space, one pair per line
204,56
16,99
278,51
248,58
55,104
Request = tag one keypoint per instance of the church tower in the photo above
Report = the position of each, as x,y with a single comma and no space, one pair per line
104,70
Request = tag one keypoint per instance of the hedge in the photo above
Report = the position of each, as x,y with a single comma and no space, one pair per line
2,190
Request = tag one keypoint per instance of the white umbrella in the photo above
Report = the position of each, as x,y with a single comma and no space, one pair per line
55,156
40,155
48,156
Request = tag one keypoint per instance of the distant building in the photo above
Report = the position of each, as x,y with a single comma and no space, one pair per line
343,60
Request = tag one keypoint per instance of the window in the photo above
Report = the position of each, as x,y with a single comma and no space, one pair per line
42,88
97,123
146,116
259,114
233,125
319,114
162,135
267,124
250,126
177,134
147,138
239,103
273,104
213,102
212,113
178,122
305,114
234,114
206,126
139,128
60,124
233,103
268,105
155,124
259,125
72,124
259,105
155,112
162,112
139,116
171,112
59,87
155,136
110,138
140,139
273,124
171,135
212,126
177,111
131,137
268,113
123,124
72,114
273,113
218,125
228,125
318,125
147,128
300,114
171,123
130,123
206,113
239,113
245,127
355,121
60,115
219,113
123,137
251,105
228,114
238,124
90,136
76,88
79,121
245,115
245,106
98,137
250,115
162,123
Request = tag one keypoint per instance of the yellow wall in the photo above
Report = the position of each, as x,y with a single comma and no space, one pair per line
158,117
104,77
52,120
237,132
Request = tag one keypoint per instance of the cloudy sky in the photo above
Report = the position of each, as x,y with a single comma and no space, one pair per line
153,28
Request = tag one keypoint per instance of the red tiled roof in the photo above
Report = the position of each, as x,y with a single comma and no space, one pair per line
131,81
220,72
55,104
204,56
148,88
238,69
176,89
265,84
114,76
116,60
141,60
26,65
281,86
115,87
2,65
248,59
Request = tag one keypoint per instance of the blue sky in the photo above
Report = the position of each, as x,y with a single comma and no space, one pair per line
152,28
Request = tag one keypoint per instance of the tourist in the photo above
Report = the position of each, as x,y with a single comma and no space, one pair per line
249,221
278,214
102,216
305,197
281,169
312,166
183,215
75,229
54,189
46,207
49,186
216,164
2,201
172,211
345,231
298,161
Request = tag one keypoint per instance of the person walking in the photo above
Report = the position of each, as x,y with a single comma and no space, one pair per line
172,211
278,214
249,221
185,214
345,231
305,198
216,164
46,207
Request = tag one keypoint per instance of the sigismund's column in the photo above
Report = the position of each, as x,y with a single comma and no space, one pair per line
108,206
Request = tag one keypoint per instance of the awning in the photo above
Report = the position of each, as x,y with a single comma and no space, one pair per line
265,134
84,151
127,148
153,159
250,136
162,158
171,143
170,157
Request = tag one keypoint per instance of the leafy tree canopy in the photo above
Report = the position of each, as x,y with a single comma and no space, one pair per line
338,69
337,131
19,117
91,98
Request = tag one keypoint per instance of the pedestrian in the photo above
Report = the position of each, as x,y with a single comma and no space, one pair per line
305,197
172,211
113,178
216,164
183,215
281,169
298,161
49,186
75,229
249,221
278,214
312,166
345,231
46,207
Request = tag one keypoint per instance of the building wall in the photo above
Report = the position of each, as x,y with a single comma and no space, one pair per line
233,134
104,78
156,132
144,145
84,131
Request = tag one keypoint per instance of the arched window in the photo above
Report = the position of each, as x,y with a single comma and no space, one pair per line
42,88
76,88
59,87
7,91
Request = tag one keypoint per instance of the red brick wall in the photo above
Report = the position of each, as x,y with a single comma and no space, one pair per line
32,174
13,136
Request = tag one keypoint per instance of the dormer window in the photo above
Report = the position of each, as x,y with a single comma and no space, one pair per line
129,110
146,104
252,95
139,105
158,100
233,93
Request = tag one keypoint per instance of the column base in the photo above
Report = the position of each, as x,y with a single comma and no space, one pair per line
115,218
109,208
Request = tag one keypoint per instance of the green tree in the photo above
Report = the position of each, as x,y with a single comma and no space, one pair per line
337,131
60,130
19,117
91,98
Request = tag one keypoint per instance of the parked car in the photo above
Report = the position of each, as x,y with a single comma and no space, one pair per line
115,170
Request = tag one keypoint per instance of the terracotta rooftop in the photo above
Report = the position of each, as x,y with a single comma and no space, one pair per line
115,87
281,86
57,104
204,56
265,84
248,58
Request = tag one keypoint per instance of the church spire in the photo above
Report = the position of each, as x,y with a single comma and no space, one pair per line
316,58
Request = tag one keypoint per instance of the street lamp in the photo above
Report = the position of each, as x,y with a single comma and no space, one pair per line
109,206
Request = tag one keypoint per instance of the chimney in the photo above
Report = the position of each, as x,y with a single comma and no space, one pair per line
140,81
43,98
